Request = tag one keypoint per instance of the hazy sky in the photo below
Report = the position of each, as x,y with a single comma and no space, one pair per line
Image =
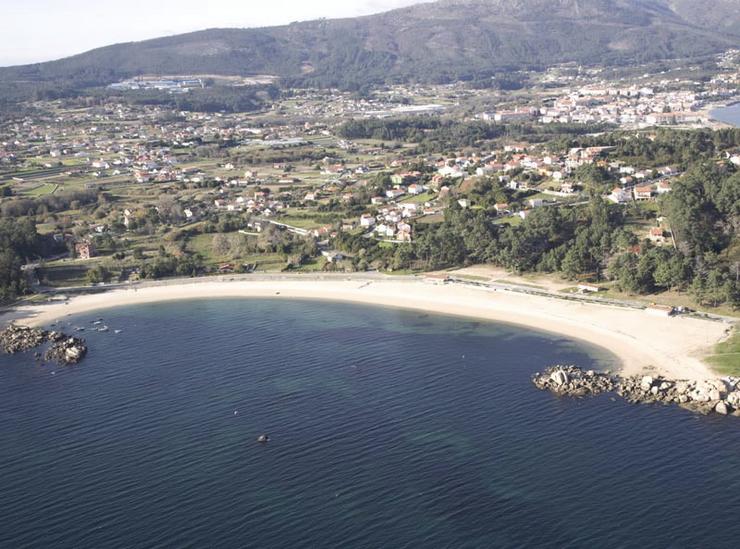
41,30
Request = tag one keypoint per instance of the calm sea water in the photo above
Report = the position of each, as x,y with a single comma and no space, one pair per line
389,429
728,115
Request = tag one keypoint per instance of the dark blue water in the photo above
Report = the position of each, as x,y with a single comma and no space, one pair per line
389,429
728,115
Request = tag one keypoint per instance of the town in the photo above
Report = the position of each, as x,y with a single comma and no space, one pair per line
320,181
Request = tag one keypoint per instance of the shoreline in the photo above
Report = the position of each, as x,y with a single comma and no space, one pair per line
643,344
711,108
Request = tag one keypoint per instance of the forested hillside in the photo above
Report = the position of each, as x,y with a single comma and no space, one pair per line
434,42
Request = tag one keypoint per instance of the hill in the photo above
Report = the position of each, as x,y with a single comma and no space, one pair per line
439,41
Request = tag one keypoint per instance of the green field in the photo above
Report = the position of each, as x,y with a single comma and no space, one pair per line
203,244
420,198
303,222
509,220
64,275
726,357
266,262
42,190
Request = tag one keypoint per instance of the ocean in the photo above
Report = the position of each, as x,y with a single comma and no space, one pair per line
388,428
728,115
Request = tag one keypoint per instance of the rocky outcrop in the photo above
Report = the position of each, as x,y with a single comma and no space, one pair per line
18,339
720,396
572,381
68,350
64,349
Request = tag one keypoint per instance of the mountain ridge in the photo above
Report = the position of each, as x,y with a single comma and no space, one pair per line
430,42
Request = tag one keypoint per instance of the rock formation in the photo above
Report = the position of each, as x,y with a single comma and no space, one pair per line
721,396
64,349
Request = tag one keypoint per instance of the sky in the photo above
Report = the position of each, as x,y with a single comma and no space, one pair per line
41,30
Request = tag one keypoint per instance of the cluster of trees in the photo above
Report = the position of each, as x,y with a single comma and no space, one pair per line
434,134
589,242
166,265
18,242
20,207
665,147
576,241
290,155
704,215
210,99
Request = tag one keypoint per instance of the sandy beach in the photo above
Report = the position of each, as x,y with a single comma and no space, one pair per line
644,343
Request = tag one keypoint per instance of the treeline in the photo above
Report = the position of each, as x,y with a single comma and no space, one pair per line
18,241
575,241
433,134
704,214
210,100
661,148
591,242
19,207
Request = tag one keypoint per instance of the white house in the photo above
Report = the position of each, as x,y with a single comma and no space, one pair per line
367,220
620,195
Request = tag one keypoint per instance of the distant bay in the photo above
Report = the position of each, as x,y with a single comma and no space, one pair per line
729,114
388,428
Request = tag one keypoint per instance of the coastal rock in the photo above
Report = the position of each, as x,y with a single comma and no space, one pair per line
714,394
67,351
646,383
704,408
722,408
18,339
572,381
559,377
64,349
682,387
705,397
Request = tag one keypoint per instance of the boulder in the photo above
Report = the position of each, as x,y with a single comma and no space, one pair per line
683,387
714,394
734,399
722,408
700,394
73,353
646,383
559,378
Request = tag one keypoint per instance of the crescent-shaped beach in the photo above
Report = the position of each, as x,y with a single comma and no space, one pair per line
672,346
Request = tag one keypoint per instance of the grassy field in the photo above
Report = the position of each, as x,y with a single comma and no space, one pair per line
36,173
269,263
509,220
203,244
316,265
303,222
419,198
726,357
42,190
63,275
431,219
